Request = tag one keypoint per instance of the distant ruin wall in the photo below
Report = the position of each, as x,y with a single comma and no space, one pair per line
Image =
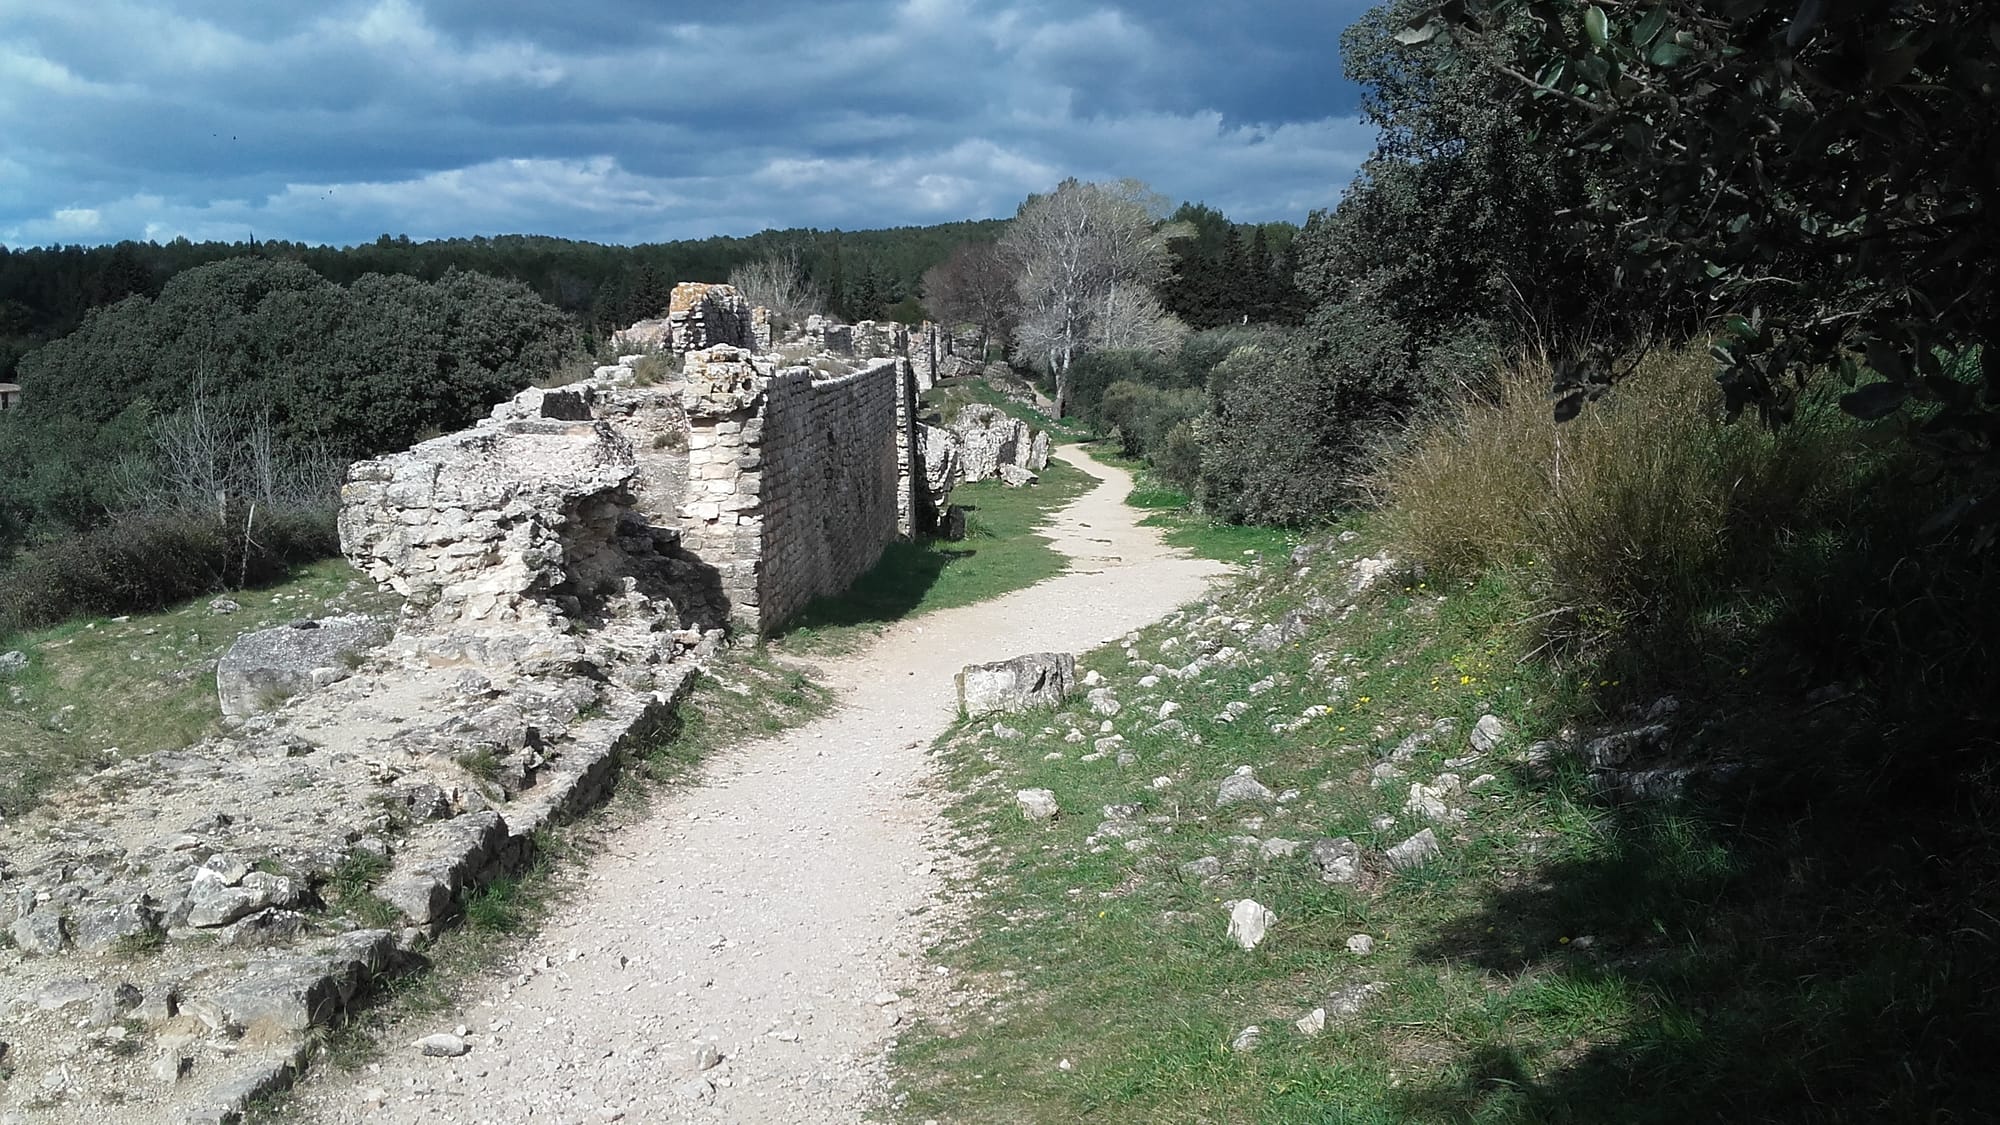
796,482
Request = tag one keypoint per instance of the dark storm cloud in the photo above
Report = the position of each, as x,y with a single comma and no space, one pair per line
214,118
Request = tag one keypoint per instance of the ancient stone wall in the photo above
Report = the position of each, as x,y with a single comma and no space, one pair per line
699,315
796,481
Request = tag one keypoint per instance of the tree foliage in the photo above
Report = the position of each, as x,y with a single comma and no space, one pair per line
1819,175
158,388
973,286
1070,249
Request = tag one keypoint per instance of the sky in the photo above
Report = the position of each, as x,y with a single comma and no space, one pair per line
632,121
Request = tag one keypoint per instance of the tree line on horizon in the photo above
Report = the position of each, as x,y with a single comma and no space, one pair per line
46,292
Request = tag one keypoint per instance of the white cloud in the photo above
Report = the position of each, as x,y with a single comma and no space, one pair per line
432,118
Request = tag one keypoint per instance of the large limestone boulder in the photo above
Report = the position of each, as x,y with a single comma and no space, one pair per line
264,668
1041,679
938,449
989,440
986,440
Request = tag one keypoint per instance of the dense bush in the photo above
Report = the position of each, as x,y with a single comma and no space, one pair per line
316,368
1293,426
140,562
1153,424
1634,521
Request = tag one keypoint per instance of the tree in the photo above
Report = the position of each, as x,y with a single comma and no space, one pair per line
973,286
1133,320
1819,175
1071,248
779,283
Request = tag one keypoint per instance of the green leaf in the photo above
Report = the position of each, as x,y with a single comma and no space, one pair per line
1889,67
1876,400
1646,29
1597,25
1666,53
1739,327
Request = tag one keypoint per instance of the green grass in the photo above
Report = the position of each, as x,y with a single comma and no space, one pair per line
1188,529
1001,552
97,691
1570,958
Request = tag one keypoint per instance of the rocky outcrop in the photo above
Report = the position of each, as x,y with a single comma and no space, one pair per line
988,439
265,668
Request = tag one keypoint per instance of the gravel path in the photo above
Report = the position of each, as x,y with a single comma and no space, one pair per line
765,913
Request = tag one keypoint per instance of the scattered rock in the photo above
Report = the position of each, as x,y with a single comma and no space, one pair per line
1205,868
707,1057
1312,1023
40,932
1037,804
1415,851
1488,734
224,606
1249,921
12,662
1247,1040
270,665
1338,860
99,931
170,1067
1349,1000
1242,788
1361,945
1102,703
443,1045
1433,802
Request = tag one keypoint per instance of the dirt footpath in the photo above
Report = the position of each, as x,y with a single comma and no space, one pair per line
766,911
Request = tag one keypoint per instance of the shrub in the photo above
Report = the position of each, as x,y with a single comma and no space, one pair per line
1143,416
140,562
1294,425
1637,519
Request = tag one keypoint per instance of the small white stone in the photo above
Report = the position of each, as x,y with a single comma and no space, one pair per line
1249,920
443,1045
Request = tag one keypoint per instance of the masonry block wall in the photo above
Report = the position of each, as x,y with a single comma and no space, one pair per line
796,482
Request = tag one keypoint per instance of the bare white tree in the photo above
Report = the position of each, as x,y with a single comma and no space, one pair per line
1072,249
1133,320
779,283
197,453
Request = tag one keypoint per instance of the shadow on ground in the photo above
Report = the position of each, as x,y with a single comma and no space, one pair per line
892,590
1809,935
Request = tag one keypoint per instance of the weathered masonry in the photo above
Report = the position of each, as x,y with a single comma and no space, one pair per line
797,481
736,490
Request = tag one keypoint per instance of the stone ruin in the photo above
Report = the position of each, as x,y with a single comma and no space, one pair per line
699,316
565,567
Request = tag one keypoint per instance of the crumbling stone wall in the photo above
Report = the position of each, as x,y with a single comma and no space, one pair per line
797,481
700,315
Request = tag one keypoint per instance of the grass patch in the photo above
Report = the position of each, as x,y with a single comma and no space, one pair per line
1174,511
1002,551
1573,955
96,690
